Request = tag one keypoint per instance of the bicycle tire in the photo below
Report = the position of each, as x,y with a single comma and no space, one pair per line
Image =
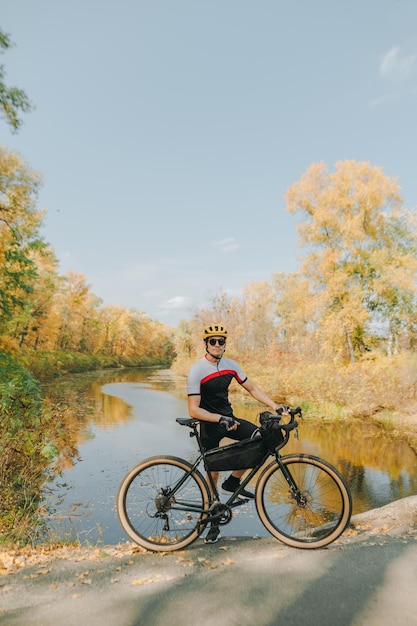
139,504
320,518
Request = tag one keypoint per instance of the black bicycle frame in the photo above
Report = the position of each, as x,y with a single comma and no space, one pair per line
214,499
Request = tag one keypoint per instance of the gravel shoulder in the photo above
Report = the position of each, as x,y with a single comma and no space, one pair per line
126,585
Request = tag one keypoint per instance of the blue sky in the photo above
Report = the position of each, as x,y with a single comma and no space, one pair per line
168,131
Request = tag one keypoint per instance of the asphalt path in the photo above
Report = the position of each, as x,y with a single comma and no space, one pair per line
367,578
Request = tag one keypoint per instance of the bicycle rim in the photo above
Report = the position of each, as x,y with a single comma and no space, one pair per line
151,517
316,515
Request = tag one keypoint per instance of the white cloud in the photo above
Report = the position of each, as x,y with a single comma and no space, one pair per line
396,65
226,245
177,302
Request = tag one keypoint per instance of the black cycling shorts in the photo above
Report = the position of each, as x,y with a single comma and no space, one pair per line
212,433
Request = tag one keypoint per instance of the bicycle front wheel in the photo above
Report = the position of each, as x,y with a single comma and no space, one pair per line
309,511
161,503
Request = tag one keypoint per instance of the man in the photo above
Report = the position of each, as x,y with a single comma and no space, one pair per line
208,401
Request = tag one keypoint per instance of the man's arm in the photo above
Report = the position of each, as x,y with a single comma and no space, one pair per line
260,395
196,412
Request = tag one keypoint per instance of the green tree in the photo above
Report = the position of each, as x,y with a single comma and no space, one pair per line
20,240
361,258
12,100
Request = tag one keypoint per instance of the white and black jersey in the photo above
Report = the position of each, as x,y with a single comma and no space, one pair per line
211,381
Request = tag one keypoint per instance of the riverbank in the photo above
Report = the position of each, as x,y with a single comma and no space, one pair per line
401,424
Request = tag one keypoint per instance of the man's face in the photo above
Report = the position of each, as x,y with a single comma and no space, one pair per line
216,345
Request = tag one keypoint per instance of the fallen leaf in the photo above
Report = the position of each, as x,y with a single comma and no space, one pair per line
42,571
144,581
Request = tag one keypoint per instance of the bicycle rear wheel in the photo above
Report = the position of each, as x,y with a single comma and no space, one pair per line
160,503
313,515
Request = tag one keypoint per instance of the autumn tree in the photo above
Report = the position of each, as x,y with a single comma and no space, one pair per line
360,263
250,321
184,343
76,308
30,325
292,309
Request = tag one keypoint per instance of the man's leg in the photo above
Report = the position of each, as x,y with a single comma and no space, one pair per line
213,534
244,431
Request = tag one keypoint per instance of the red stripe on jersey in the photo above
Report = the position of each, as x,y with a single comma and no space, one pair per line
223,373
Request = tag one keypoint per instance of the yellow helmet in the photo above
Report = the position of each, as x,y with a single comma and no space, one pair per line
214,330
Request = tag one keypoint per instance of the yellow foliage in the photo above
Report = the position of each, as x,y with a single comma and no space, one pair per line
361,263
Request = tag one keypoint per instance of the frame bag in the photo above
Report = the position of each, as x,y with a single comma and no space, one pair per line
241,455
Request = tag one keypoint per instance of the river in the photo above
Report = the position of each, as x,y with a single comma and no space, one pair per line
122,417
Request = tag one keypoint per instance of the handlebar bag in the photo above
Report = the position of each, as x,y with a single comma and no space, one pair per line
270,430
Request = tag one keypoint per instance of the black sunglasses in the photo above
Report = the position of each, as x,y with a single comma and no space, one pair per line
220,341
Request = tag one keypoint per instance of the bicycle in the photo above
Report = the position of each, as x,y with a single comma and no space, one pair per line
164,503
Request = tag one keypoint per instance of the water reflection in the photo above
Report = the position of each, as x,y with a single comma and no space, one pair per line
121,417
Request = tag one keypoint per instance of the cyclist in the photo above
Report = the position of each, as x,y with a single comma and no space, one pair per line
208,401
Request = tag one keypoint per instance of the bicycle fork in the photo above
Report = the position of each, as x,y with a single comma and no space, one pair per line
295,492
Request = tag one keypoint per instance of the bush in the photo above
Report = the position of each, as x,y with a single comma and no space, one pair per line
358,389
27,448
49,365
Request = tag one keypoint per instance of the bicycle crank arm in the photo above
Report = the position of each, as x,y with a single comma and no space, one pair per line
239,502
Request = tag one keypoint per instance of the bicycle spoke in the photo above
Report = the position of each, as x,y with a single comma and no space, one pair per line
315,513
154,512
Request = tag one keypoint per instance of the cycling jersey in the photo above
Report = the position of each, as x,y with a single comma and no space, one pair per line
211,381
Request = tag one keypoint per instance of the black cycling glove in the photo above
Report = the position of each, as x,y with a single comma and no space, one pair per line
282,409
226,422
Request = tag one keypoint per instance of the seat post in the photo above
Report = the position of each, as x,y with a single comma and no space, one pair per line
196,434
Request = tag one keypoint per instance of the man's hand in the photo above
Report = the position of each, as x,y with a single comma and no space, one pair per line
228,423
282,409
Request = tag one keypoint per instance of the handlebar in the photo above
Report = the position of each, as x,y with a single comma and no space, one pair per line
276,418
292,423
